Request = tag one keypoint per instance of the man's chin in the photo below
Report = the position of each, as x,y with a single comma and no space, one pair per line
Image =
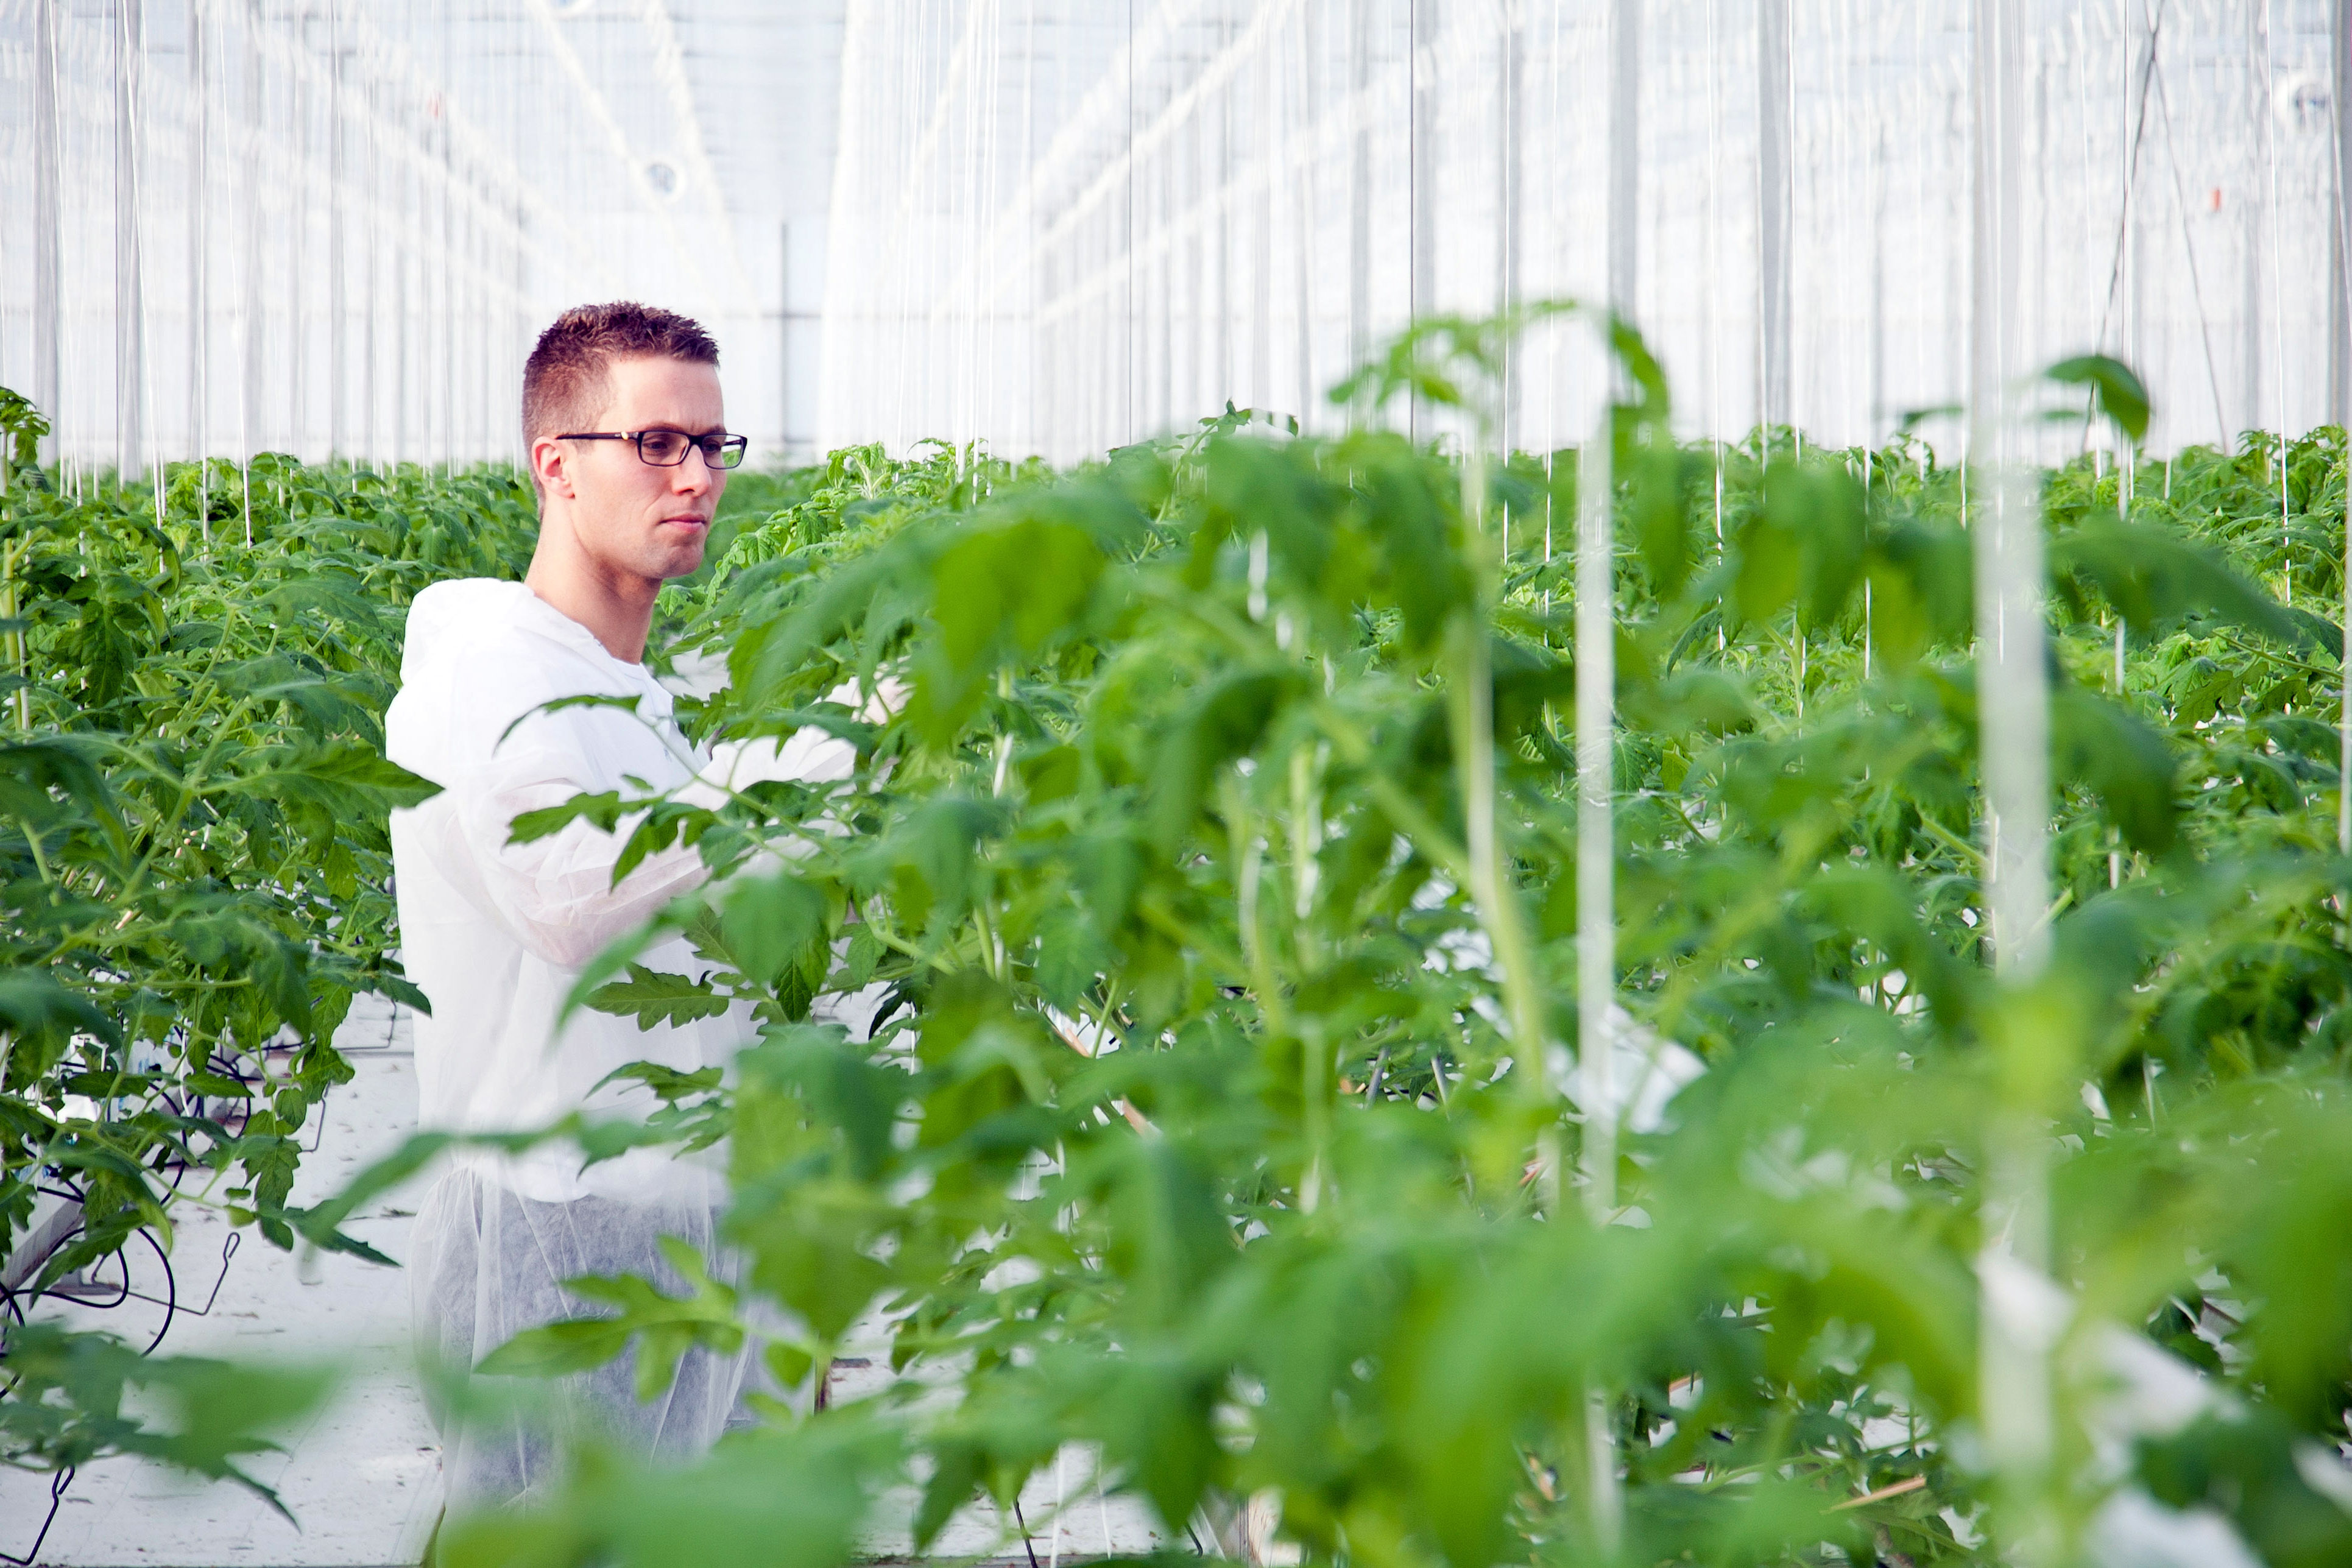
680,547
668,559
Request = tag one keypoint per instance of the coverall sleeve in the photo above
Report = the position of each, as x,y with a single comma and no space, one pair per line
557,893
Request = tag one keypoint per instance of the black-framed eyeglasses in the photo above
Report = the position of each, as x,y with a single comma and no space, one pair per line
667,448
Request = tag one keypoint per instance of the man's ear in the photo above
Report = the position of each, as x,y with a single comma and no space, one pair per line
551,465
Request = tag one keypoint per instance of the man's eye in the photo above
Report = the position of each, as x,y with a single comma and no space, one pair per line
664,444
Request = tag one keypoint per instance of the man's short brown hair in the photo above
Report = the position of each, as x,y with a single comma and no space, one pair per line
565,381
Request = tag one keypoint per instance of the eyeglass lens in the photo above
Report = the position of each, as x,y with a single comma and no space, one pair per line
667,448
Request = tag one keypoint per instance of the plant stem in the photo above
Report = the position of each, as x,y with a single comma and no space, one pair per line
1470,709
40,861
22,700
1596,934
1306,845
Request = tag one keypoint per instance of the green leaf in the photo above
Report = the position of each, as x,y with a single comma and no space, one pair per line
558,1350
1817,509
34,1004
605,810
2153,576
2116,391
772,923
628,704
1224,723
657,996
2129,765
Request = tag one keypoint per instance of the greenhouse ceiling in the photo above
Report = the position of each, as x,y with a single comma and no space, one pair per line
664,144
421,170
327,226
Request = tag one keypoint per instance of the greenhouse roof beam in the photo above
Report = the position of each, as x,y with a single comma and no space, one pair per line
591,97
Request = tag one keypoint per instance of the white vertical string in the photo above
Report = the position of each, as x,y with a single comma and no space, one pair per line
2262,108
129,306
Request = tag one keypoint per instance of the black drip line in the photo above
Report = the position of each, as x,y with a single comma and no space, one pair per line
82,1290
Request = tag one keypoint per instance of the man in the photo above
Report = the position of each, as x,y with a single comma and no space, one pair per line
629,453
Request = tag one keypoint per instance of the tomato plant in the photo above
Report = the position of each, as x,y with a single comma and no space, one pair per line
1217,883
193,855
1212,1117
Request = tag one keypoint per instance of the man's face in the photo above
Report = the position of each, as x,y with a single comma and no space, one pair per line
631,517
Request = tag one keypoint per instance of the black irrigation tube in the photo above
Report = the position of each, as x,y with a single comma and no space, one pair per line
15,1301
58,1486
14,1304
1027,1545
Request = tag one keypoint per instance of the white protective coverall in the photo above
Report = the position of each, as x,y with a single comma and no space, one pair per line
495,934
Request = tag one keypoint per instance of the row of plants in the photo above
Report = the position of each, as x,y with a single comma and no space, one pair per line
1220,873
196,869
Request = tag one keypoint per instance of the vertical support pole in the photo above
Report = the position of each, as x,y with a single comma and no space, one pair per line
2013,699
2339,365
1596,934
1511,244
2251,353
403,379
2008,527
1624,151
48,247
1261,133
1192,385
370,243
1421,64
440,298
1044,407
129,302
295,238
518,328
338,353
1305,117
1132,329
1222,388
2253,211
249,407
469,313
1360,189
2137,85
1156,365
2339,239
523,332
784,338
2009,547
1879,219
199,215
1596,724
1775,175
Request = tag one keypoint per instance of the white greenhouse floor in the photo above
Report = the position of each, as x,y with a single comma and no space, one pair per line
362,1477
